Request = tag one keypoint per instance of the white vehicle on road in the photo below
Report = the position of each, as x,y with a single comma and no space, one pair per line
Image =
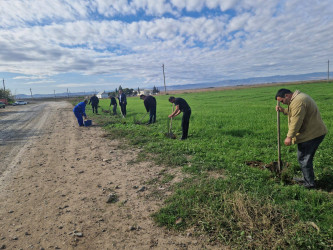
20,103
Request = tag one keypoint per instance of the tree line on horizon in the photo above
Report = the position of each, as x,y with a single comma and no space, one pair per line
131,91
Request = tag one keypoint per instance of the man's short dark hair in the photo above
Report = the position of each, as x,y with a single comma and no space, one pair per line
171,98
282,93
142,96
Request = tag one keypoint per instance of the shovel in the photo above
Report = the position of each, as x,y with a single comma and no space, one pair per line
170,134
121,112
139,121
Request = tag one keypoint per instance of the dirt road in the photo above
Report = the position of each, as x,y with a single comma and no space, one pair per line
56,179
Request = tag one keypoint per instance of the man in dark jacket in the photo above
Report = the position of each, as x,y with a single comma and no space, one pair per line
114,104
181,106
122,102
94,103
79,111
150,105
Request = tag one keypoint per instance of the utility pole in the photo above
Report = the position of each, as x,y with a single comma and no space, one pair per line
3,81
164,78
54,95
31,93
67,94
328,70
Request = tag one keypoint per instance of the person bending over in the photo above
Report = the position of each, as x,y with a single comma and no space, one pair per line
181,106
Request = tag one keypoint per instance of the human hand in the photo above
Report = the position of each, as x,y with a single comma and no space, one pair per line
278,109
287,141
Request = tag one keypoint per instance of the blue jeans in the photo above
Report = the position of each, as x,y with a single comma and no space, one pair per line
79,118
305,153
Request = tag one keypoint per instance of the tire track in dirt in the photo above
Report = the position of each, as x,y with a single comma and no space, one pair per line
57,199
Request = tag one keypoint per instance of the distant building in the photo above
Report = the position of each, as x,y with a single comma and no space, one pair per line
102,95
146,92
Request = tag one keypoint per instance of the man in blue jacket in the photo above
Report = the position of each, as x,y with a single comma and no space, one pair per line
79,111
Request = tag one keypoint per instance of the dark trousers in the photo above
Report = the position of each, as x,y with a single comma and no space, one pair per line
123,109
186,123
94,108
305,153
79,118
114,109
152,114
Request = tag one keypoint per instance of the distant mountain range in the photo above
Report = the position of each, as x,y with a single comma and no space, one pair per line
251,81
248,81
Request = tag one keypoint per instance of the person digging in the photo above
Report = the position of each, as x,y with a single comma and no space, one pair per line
80,112
305,128
181,106
150,105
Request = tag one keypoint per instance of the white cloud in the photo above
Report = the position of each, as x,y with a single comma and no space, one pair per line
28,77
73,85
25,12
238,22
40,82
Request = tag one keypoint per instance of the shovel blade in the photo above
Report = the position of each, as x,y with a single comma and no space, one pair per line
170,135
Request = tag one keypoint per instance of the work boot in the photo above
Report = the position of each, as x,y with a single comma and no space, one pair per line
299,180
307,186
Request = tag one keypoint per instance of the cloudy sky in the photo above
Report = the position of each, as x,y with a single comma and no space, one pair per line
55,45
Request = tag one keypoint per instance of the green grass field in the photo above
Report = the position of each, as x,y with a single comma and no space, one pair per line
224,198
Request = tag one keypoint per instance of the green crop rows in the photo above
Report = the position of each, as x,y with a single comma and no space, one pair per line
241,206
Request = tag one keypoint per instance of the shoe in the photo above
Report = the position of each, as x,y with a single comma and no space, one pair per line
309,186
299,180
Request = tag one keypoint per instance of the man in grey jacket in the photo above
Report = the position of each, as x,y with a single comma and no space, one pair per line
305,128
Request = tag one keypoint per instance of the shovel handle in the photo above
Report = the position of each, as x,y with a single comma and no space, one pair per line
173,107
143,116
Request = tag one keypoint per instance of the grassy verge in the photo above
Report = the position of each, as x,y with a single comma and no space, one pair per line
238,205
